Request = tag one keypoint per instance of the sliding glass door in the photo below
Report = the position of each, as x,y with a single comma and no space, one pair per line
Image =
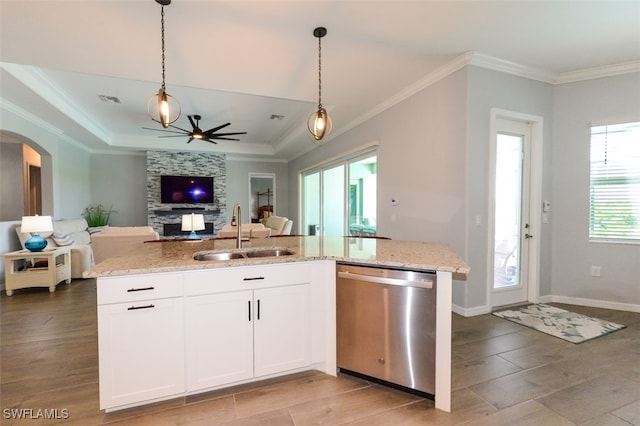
340,198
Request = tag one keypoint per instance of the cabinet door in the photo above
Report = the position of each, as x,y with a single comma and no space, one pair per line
141,351
219,339
282,335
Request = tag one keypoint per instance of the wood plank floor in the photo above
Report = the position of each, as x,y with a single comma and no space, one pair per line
503,374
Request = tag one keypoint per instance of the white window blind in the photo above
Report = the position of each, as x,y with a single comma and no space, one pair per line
615,183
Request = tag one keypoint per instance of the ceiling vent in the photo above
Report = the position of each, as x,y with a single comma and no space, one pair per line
105,98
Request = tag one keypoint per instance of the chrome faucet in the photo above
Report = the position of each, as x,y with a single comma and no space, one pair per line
236,220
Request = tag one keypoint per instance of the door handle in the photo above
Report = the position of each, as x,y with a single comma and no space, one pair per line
527,236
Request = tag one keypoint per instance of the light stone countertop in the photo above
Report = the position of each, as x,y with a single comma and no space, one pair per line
177,255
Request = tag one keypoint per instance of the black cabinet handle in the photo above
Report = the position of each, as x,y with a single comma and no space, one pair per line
140,289
249,302
258,308
133,308
253,278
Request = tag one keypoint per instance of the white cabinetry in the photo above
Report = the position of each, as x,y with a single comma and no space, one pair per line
282,329
219,338
166,335
140,338
246,322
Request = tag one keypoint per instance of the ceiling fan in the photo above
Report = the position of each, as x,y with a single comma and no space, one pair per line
197,133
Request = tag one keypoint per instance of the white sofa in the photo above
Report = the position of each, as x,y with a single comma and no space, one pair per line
279,225
114,240
69,232
249,230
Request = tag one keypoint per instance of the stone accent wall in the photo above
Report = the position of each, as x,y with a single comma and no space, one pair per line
185,164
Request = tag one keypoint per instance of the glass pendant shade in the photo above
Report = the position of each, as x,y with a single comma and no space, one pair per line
34,225
165,104
320,124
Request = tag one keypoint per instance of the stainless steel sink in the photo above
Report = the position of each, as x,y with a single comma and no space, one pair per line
269,253
218,256
229,255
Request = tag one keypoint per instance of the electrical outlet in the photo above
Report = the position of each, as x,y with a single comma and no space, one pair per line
595,271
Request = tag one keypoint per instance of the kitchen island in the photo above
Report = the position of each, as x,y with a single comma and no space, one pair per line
169,305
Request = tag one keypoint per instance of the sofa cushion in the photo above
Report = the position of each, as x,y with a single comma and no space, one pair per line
74,228
279,225
128,230
62,239
117,240
249,230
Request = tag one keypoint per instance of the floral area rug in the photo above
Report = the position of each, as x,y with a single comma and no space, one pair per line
569,326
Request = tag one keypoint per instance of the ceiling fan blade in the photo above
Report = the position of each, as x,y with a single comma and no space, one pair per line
190,139
180,128
215,129
193,124
174,136
224,139
215,135
210,140
162,130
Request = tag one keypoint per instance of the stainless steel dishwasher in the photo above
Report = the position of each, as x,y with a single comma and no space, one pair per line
386,325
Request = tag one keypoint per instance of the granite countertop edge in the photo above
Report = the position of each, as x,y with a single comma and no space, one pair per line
168,257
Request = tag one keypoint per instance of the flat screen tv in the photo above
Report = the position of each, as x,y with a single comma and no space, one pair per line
186,189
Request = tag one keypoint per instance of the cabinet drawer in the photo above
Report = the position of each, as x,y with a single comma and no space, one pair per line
245,278
138,287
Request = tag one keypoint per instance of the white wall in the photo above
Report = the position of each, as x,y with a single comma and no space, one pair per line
119,181
577,106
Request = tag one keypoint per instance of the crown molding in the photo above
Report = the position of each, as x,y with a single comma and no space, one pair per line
509,67
37,81
598,72
27,116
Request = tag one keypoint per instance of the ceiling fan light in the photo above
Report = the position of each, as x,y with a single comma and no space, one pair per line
320,124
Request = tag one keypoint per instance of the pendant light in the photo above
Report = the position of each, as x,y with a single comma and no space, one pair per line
319,123
164,102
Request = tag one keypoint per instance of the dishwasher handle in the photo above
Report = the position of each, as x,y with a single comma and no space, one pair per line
384,280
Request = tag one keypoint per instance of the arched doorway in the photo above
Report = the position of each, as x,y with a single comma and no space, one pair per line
26,186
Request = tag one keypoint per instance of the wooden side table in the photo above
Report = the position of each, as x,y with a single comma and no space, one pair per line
46,268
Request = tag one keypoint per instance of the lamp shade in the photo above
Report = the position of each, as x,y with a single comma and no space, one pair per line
193,222
36,224
33,225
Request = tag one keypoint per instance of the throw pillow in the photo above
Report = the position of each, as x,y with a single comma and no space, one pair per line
62,239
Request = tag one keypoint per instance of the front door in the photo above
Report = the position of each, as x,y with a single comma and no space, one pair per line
511,226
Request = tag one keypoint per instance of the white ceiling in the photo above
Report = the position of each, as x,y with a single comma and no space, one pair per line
241,61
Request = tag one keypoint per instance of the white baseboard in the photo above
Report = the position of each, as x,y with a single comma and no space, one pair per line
471,312
616,306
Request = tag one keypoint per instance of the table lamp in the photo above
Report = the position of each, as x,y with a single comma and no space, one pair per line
34,225
193,222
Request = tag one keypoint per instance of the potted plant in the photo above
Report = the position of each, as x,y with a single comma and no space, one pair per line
97,215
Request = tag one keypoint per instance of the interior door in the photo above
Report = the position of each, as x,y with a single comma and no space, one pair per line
511,225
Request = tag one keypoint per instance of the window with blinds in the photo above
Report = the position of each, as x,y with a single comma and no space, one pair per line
614,211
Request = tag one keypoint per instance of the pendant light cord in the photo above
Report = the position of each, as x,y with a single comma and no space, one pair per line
162,41
319,72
